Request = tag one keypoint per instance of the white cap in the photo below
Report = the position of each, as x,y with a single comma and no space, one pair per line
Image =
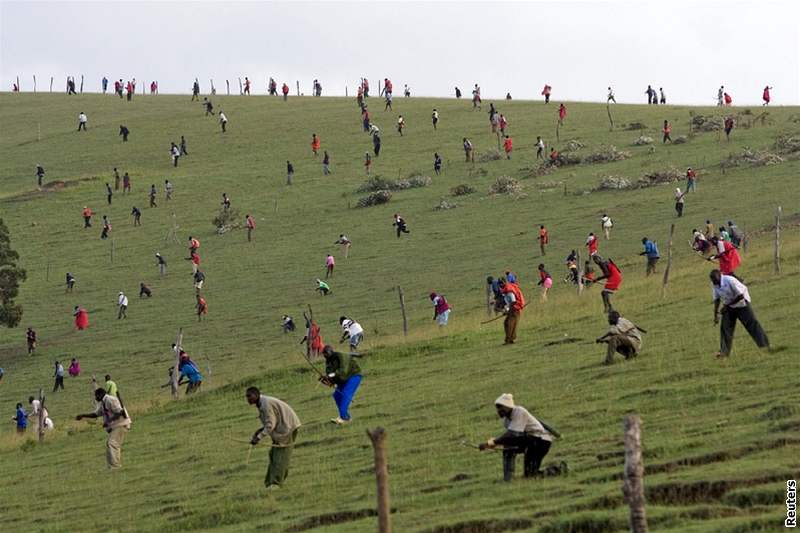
505,400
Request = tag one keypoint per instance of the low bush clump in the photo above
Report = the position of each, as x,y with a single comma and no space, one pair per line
506,185
643,140
375,198
462,190
752,158
606,155
378,183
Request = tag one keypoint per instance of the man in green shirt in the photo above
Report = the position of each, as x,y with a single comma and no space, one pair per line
110,386
280,423
323,288
342,372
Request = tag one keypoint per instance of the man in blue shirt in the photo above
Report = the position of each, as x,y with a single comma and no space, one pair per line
651,251
188,370
21,419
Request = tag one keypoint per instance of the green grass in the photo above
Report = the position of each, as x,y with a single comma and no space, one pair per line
720,436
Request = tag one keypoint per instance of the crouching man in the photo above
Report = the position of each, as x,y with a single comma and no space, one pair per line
623,337
524,435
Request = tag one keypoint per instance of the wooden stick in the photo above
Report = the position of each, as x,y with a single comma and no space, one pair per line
633,484
777,254
51,83
112,250
488,300
610,119
580,273
378,438
403,309
228,85
81,83
298,87
669,260
34,83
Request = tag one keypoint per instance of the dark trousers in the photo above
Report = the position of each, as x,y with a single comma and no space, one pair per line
87,222
401,228
510,325
679,208
59,383
81,126
534,450
727,326
651,265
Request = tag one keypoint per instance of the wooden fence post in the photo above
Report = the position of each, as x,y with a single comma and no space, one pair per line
240,87
403,309
669,260
297,82
81,83
174,383
51,83
633,483
580,273
777,258
41,416
378,438
34,83
744,238
228,85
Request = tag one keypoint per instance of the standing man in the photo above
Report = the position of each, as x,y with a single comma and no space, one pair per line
539,148
122,304
727,255
30,337
70,279
21,418
201,307
195,90
289,172
330,263
116,422
326,163
679,201
345,243
126,183
592,244
524,435
285,91
613,276
441,309
110,385
343,373
124,131
663,96
611,96
562,114
435,118
437,163
82,120
250,222
544,239
168,188
514,304
105,84
184,151
175,152
162,265
39,174
735,300
199,278
153,194
401,124
651,251
667,129
223,121
109,193
280,423
623,337
508,146
136,213
691,180
58,374
315,144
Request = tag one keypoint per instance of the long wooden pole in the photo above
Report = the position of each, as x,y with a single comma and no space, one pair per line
178,344
378,438
51,83
633,484
669,259
580,273
777,255
34,83
41,416
488,300
403,309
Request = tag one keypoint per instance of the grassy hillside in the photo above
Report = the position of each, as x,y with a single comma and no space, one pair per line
720,436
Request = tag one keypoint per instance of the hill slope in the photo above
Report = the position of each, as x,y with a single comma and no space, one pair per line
720,437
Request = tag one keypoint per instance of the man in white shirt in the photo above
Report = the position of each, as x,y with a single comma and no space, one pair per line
82,120
735,300
116,422
606,223
524,434
352,330
122,303
223,120
36,405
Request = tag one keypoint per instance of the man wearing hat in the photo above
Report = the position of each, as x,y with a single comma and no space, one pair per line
524,434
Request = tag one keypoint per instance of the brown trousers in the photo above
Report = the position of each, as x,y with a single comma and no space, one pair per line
510,325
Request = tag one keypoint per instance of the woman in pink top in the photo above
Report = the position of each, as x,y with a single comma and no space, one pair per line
74,368
330,262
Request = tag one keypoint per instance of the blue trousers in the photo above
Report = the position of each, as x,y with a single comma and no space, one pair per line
343,395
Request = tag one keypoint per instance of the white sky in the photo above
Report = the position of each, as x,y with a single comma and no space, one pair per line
689,48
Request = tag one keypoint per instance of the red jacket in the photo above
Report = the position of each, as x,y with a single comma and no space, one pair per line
285,89
614,279
729,259
592,245
520,299
508,145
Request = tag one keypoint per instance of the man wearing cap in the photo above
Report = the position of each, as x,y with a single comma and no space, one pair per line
342,372
116,422
623,337
280,423
524,435
735,299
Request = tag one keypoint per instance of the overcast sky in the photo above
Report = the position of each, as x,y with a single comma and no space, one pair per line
689,48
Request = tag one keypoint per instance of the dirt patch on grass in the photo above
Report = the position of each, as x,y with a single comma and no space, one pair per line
460,477
724,455
485,526
568,340
678,493
309,443
585,524
435,488
48,188
778,412
330,519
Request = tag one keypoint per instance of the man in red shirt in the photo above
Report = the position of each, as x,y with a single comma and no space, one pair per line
508,146
727,255
87,217
613,276
251,225
591,244
195,262
285,90
544,239
515,303
562,114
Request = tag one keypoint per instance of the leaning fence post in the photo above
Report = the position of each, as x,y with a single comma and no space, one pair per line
378,438
174,382
228,85
41,416
633,484
51,83
488,299
403,309
669,260
297,82
777,258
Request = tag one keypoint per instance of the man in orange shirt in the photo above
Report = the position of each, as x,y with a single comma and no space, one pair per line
202,308
315,144
508,146
515,303
667,130
87,217
544,239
